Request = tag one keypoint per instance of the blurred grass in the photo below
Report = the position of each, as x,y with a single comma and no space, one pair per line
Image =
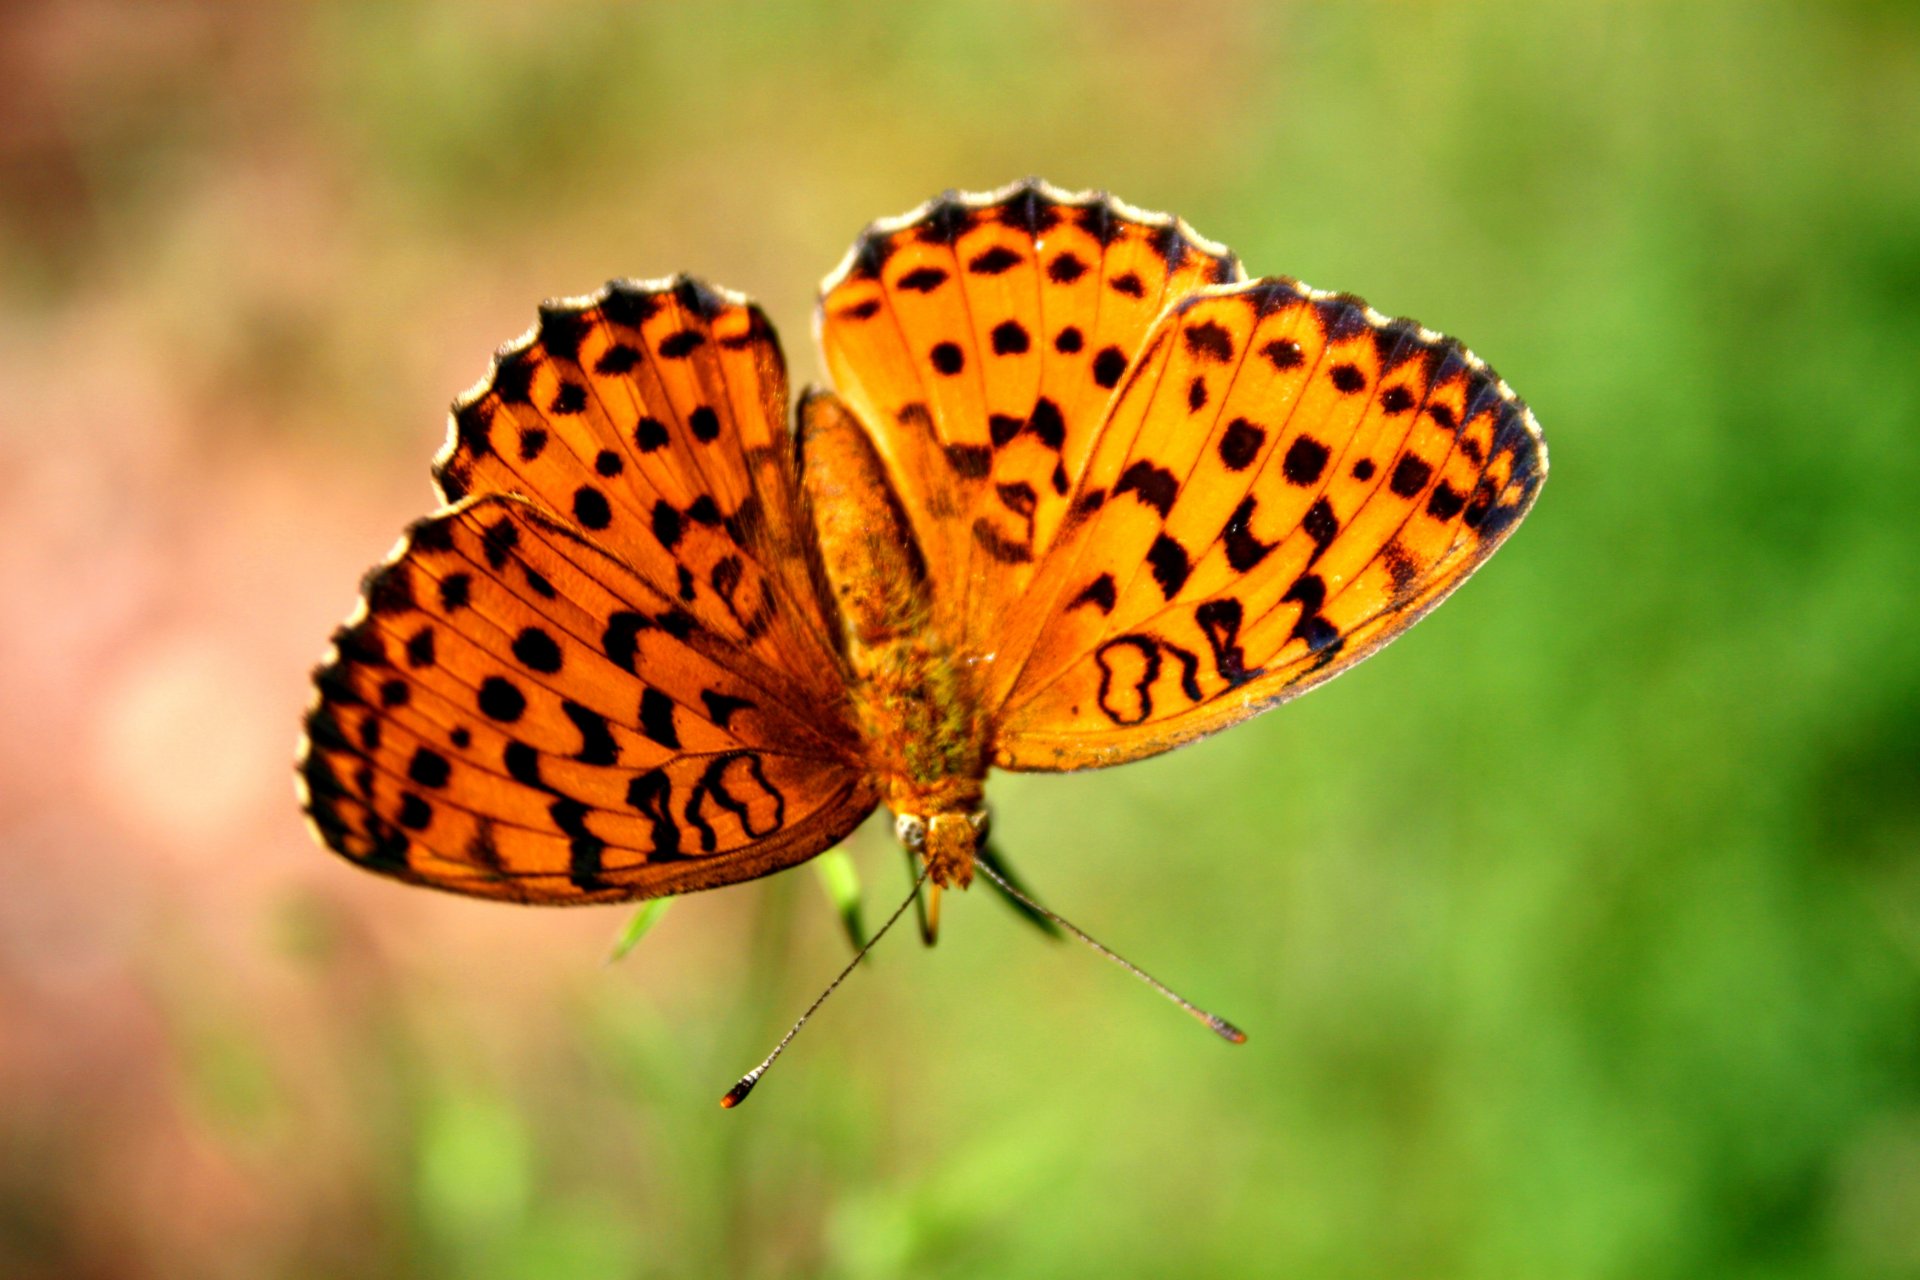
1577,936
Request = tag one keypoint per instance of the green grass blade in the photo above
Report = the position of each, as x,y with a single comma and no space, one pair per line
636,928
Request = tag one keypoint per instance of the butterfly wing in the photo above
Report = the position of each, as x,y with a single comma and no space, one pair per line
516,713
602,673
979,340
653,415
1286,481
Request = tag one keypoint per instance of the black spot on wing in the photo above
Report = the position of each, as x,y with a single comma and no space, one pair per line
1282,354
590,507
1401,567
970,461
921,280
498,541
1047,425
721,707
666,524
1219,621
428,767
1321,525
1126,696
649,434
1099,593
1348,378
1065,269
1209,341
585,850
947,358
1171,565
621,640
500,699
1306,459
1410,475
1445,502
1240,444
415,814
1154,486
536,650
651,793
1108,366
596,740
1244,550
617,359
1018,497
998,545
656,718
994,261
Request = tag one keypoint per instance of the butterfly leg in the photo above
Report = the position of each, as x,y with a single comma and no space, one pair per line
995,861
929,918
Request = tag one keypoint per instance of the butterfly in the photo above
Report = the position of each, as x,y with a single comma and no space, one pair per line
1081,492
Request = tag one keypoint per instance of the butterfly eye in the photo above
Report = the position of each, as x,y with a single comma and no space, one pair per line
980,819
911,832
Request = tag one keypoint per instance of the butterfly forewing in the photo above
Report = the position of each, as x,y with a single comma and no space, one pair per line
1286,481
606,671
517,714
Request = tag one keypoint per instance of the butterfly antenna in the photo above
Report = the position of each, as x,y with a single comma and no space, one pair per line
1214,1022
738,1094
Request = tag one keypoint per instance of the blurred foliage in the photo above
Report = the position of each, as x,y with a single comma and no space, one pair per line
1578,936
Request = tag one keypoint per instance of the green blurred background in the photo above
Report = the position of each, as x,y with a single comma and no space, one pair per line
1578,935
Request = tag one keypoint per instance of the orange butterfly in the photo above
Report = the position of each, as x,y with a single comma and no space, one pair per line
1083,493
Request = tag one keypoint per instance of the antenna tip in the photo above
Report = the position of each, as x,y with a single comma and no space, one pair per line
1226,1030
738,1094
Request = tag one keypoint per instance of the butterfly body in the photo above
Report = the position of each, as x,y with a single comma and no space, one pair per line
915,699
1081,493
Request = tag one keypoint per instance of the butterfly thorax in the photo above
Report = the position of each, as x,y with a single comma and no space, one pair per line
913,697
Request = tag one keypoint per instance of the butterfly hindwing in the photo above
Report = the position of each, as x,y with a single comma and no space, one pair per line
1285,482
980,339
652,415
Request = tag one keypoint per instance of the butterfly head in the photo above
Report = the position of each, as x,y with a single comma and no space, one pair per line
948,842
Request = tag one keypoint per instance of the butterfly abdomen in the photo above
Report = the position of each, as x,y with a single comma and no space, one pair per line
915,702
